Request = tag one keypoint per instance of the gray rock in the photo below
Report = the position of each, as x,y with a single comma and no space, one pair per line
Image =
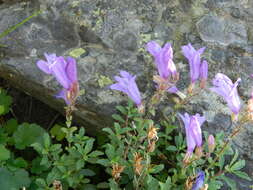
221,31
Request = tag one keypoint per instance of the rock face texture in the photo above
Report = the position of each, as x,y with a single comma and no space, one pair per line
109,35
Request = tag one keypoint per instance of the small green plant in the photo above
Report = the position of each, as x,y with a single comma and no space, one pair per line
12,28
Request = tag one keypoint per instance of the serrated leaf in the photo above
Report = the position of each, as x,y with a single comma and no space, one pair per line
89,145
238,165
234,157
231,183
242,175
27,134
56,132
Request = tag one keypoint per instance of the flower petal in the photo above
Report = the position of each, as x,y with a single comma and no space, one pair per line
153,48
43,65
71,69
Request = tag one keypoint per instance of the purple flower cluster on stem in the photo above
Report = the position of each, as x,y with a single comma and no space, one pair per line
166,68
224,87
65,72
198,69
192,126
126,83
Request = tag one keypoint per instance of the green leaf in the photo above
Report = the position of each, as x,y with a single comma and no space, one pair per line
214,185
231,183
242,175
238,165
88,146
179,140
14,180
234,157
152,183
4,153
104,162
171,148
56,132
11,126
18,163
47,141
37,168
118,118
27,134
88,172
156,169
166,185
79,164
221,162
96,153
103,185
5,102
122,109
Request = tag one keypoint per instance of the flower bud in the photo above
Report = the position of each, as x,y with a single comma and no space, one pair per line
141,108
211,143
137,163
199,152
151,146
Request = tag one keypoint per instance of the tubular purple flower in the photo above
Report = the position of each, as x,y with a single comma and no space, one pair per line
65,73
194,60
199,182
193,131
126,83
163,59
224,87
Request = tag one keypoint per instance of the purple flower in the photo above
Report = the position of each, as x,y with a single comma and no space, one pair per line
224,87
199,182
163,59
126,83
193,131
197,69
65,73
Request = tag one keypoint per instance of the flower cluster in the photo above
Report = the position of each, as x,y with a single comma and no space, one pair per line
198,69
65,72
192,126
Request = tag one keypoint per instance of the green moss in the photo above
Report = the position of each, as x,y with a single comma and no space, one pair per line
104,81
